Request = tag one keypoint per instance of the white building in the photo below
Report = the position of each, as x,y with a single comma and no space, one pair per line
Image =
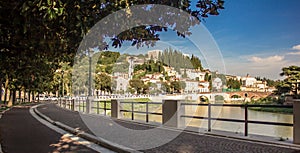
204,86
122,84
170,71
191,86
153,54
248,81
193,74
251,84
261,85
186,55
157,82
121,74
154,76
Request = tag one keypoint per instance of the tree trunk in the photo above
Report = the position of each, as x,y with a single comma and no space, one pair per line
38,97
32,96
24,96
6,91
296,89
28,96
20,95
5,95
297,86
67,90
0,90
12,98
9,104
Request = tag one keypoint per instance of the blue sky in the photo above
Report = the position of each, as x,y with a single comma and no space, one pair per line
256,37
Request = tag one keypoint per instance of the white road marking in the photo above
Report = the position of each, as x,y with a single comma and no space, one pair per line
81,141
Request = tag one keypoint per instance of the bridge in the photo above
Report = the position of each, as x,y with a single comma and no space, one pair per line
249,95
234,96
201,97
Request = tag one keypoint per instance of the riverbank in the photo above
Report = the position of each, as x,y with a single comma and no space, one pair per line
272,110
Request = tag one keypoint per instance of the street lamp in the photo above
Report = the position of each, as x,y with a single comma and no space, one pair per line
59,95
89,98
63,89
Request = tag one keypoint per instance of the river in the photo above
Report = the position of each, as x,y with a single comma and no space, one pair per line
238,113
235,113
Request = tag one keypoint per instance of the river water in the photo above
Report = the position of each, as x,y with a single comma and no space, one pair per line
234,113
239,113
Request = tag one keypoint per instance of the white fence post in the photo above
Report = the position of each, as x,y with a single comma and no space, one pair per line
115,108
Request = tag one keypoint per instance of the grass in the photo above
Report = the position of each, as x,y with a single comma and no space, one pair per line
127,106
3,108
269,101
137,100
273,110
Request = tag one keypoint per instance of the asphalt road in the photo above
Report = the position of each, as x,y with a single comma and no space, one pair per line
22,133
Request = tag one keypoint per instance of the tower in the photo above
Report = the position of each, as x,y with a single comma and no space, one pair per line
130,69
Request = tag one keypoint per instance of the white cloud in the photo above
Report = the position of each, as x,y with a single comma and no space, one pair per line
297,47
269,59
293,53
257,65
264,65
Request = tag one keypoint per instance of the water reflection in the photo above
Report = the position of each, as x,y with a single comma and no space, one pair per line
233,113
239,113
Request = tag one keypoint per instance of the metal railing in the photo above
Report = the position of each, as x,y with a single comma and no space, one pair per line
147,112
104,108
246,121
72,104
80,105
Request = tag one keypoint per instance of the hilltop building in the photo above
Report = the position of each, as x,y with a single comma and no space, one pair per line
193,74
154,54
170,71
122,84
193,86
120,74
248,81
251,84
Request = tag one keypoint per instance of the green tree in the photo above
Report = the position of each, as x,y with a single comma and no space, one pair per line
176,86
196,63
137,84
233,84
150,67
176,59
282,87
108,57
182,84
207,77
292,80
146,88
270,83
184,75
130,90
44,33
165,87
103,82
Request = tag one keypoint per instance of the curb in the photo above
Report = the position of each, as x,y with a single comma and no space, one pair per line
84,135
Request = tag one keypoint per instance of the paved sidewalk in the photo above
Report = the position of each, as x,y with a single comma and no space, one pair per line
22,133
185,142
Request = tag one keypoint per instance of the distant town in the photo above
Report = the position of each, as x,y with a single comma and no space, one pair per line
170,71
